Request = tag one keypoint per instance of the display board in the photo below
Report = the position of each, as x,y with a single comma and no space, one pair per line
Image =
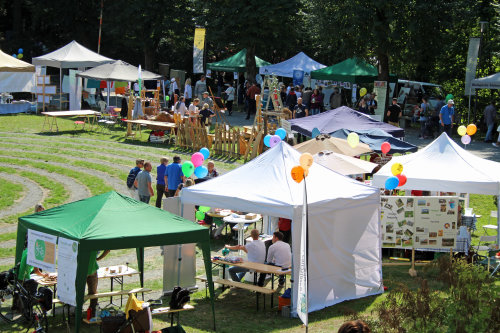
420,222
67,253
42,250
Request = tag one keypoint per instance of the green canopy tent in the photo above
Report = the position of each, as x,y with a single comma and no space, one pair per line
112,221
352,70
236,63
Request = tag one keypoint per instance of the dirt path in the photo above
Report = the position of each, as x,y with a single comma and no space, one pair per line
32,194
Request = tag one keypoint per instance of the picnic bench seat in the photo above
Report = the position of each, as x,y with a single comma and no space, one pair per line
117,293
251,287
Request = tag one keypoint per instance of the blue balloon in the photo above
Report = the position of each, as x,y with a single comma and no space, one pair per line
20,51
205,152
281,133
315,132
267,140
201,171
14,55
391,183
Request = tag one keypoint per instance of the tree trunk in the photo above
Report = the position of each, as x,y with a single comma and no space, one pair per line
149,57
383,75
250,62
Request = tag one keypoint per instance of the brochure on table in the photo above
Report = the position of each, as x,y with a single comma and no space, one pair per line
420,222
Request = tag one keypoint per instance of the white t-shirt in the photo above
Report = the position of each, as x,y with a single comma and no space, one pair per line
182,108
193,110
256,251
230,94
280,254
188,93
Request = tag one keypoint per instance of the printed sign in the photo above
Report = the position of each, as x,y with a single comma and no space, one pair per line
67,253
42,250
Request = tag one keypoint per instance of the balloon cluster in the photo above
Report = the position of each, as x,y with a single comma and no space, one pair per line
466,133
19,54
398,179
353,139
272,140
200,213
196,164
302,170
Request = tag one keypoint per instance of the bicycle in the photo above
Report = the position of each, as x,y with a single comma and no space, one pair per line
21,303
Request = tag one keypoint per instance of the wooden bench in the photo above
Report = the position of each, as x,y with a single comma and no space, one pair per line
251,287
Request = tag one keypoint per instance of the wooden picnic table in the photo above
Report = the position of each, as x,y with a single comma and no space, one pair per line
159,124
51,117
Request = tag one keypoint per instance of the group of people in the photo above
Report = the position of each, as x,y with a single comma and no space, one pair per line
170,179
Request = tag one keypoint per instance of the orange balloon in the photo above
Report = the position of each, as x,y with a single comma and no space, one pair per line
297,173
471,129
306,160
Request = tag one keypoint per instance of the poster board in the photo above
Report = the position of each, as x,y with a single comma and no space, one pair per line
42,250
420,222
67,253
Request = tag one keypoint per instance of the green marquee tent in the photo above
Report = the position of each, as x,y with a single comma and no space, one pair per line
236,63
352,70
112,221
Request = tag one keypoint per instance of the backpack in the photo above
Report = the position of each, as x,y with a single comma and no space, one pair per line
44,296
4,280
131,176
180,296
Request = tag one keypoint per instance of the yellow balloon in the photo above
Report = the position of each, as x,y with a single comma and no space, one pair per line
461,130
471,129
306,160
353,139
396,169
362,92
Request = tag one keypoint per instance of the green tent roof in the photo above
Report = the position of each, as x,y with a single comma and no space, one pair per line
352,70
236,63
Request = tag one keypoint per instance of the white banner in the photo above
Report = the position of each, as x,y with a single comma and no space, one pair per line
42,250
198,49
470,71
302,307
75,90
67,253
380,88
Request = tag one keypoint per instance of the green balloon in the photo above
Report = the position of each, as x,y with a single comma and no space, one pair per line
204,209
187,168
167,98
200,216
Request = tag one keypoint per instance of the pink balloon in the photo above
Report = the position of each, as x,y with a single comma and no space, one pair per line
197,159
275,139
386,147
465,139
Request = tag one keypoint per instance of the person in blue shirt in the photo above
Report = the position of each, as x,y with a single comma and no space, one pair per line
446,117
161,187
173,176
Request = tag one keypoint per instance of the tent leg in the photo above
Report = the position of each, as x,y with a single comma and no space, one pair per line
60,89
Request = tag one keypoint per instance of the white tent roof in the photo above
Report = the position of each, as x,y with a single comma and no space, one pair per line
488,82
444,166
10,64
72,55
344,221
298,62
16,75
118,71
343,164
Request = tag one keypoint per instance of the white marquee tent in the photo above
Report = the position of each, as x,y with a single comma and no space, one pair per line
444,166
344,223
300,61
16,75
488,82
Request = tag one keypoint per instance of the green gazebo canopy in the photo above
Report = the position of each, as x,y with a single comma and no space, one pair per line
236,63
112,221
352,70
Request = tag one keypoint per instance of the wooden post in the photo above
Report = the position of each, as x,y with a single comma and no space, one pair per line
412,271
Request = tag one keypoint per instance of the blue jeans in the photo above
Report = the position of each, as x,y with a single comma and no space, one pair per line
144,198
237,273
489,133
314,111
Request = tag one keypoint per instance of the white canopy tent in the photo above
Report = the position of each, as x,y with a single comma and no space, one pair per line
444,166
72,55
344,221
16,75
488,82
300,61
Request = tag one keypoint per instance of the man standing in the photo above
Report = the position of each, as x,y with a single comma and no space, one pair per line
252,106
173,176
230,98
161,187
335,99
92,280
490,118
372,103
300,110
256,251
139,163
446,117
143,183
394,113
200,87
279,254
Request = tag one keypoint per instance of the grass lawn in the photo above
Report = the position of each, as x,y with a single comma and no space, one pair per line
9,193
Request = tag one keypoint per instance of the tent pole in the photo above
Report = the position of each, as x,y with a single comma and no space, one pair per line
109,91
60,89
498,215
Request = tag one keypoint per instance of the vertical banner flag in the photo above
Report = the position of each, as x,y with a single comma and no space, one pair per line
139,78
470,71
380,88
42,250
67,253
302,304
298,77
198,48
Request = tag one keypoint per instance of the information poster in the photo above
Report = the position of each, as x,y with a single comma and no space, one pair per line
42,250
67,253
420,222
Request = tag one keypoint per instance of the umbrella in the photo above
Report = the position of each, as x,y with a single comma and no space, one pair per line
343,164
324,142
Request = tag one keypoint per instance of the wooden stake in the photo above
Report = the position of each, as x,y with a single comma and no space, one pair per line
412,271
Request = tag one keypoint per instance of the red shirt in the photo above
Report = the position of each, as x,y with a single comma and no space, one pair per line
252,91
284,224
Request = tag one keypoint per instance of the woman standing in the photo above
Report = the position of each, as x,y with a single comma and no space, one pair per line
230,98
424,116
188,91
363,106
316,101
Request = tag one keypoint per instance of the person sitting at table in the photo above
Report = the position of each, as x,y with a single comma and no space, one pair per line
256,251
92,279
279,254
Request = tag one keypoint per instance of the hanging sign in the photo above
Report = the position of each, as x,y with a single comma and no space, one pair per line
42,250
67,253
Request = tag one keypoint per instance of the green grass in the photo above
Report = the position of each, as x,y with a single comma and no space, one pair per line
7,252
7,236
483,205
9,193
